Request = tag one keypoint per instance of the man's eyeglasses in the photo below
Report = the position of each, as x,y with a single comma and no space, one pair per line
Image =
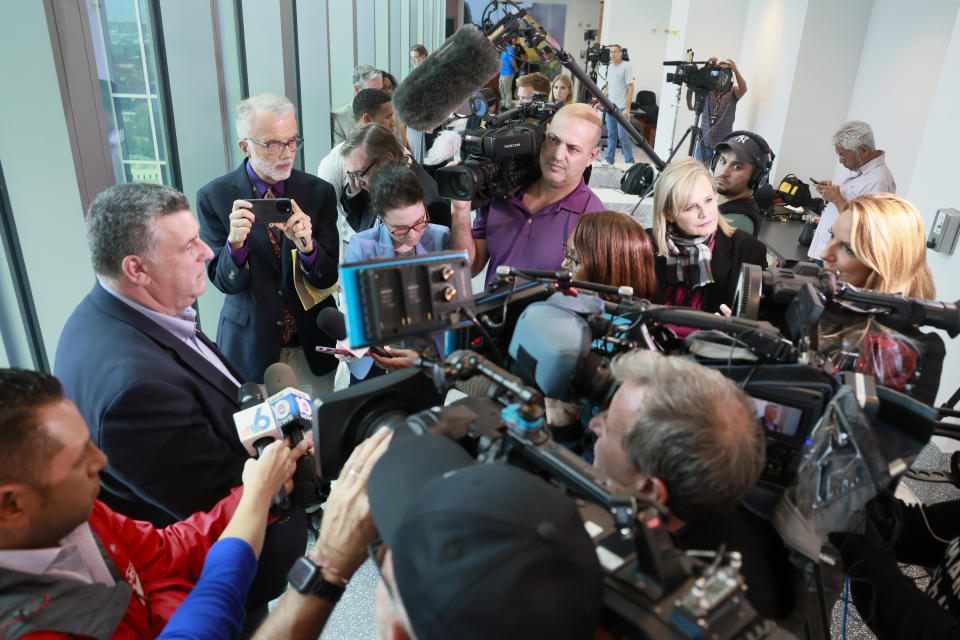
358,175
275,147
569,255
401,230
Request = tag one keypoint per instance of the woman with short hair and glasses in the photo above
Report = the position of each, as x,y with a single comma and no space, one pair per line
402,228
366,149
403,224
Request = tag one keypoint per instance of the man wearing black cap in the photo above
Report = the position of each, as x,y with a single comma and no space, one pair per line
465,550
740,165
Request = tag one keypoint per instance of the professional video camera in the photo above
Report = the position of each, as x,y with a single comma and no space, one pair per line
499,158
553,343
652,589
708,77
601,55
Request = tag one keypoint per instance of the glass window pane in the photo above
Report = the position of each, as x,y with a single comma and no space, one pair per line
161,130
127,69
124,46
137,135
151,57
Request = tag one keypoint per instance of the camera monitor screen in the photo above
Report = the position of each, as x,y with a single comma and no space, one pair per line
776,417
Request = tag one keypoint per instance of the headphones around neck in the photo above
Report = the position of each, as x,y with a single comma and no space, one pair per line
761,173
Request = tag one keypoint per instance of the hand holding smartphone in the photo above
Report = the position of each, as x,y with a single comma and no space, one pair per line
333,351
271,210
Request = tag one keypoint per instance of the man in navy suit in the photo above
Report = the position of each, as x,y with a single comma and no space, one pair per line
277,277
157,395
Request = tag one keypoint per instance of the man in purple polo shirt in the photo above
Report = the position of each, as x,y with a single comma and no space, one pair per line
527,229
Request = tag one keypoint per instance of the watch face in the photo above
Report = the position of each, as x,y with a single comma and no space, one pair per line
301,574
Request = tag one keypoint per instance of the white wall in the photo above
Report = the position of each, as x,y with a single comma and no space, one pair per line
902,57
823,82
768,59
641,28
712,29
932,186
581,15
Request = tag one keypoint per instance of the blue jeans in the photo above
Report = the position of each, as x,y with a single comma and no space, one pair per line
704,154
615,131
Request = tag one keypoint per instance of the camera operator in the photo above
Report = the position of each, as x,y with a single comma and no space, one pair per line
863,252
527,229
685,436
619,89
365,150
856,150
464,550
719,111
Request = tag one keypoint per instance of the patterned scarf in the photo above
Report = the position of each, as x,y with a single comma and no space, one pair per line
689,261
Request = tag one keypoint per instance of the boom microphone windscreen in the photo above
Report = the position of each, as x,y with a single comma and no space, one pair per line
446,79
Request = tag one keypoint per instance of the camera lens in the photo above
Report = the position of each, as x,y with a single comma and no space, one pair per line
283,206
460,183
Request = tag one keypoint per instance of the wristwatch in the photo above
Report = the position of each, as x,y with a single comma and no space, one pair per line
305,577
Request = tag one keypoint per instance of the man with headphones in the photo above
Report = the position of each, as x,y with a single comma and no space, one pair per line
740,166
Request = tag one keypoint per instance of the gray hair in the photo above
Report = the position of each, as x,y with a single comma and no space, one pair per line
365,72
259,104
375,140
854,134
697,433
120,223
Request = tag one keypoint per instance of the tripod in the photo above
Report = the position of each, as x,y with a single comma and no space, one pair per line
694,130
696,138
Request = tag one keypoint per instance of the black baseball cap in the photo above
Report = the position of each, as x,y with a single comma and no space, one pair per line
483,550
745,147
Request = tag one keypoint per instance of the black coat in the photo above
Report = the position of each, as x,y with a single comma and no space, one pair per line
729,254
251,321
164,417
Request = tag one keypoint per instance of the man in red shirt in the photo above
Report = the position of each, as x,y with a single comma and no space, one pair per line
69,565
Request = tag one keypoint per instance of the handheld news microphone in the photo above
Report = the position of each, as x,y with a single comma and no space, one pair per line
256,425
332,323
446,79
292,408
294,413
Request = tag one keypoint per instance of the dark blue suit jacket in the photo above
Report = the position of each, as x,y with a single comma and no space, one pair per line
164,417
251,320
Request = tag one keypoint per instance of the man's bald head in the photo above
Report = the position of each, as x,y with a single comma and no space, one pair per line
582,112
